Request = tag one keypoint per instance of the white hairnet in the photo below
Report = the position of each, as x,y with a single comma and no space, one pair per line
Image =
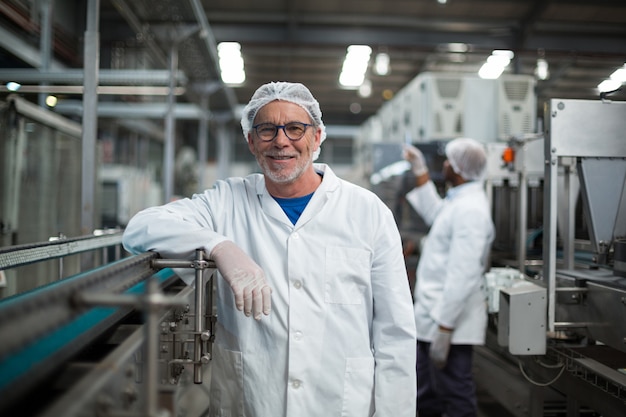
292,92
467,157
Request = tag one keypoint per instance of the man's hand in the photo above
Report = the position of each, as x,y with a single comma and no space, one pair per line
416,159
440,347
245,277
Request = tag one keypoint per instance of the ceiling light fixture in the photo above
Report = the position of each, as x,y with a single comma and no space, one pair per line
51,101
354,66
608,86
13,86
619,74
542,71
231,63
615,81
381,65
495,65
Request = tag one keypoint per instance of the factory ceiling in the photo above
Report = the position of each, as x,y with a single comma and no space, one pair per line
583,42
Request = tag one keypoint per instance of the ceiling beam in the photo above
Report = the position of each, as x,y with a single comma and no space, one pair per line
105,77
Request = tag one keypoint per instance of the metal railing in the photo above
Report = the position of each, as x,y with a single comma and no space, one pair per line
59,247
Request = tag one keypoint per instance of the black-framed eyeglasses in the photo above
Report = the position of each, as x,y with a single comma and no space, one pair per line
293,130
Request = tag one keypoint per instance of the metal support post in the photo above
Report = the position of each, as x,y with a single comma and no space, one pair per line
90,123
151,346
203,139
170,121
522,231
45,42
198,328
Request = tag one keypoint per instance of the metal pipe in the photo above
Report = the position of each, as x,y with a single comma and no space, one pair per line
572,289
569,223
550,219
172,263
573,325
522,220
151,346
170,121
90,123
181,263
210,317
197,366
203,140
45,42
14,256
106,77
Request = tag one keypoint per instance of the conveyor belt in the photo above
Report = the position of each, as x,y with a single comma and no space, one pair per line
28,316
43,328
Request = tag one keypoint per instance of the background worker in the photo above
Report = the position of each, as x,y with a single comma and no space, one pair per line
450,307
321,258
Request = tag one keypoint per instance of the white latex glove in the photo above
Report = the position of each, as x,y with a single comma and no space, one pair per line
440,347
416,159
245,277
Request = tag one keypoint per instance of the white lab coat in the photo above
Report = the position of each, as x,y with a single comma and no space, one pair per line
448,289
340,339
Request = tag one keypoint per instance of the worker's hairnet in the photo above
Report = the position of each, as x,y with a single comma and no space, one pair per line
467,157
292,92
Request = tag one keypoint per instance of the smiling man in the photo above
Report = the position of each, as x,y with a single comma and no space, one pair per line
285,159
317,261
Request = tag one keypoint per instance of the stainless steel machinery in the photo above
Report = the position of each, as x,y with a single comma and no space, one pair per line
557,343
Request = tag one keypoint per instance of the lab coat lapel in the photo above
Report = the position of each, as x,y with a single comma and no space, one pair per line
329,184
269,206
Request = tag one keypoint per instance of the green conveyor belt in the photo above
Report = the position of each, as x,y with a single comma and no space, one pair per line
18,365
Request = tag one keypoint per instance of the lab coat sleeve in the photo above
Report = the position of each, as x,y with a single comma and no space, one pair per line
425,201
174,230
393,327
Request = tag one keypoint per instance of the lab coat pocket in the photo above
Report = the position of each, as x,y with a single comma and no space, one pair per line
226,399
346,275
358,387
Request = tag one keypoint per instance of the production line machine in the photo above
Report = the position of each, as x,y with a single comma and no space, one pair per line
128,338
557,339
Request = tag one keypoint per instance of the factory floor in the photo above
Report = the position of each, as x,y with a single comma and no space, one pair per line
489,406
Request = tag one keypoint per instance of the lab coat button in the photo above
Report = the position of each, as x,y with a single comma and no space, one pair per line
297,284
297,335
295,235
296,384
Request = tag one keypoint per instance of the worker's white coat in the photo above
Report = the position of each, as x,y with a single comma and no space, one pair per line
340,339
448,289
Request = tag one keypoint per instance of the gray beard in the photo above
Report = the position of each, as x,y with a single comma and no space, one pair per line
279,177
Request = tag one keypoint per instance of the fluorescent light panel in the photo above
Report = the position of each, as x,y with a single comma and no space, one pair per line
496,63
615,81
231,63
354,66
381,65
